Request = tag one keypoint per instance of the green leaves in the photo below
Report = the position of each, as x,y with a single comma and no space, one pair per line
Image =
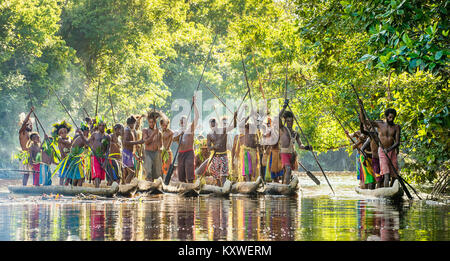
438,55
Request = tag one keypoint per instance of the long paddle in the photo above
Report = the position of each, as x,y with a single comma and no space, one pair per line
377,140
310,175
171,167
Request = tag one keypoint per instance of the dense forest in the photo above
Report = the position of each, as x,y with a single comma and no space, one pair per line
117,57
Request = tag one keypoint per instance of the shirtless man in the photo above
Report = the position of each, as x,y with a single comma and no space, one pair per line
115,153
287,140
101,143
250,162
389,136
185,139
129,142
167,139
152,152
64,145
24,138
217,142
271,158
34,149
238,141
375,159
47,159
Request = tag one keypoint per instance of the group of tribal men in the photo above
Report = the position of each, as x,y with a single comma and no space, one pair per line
96,154
261,148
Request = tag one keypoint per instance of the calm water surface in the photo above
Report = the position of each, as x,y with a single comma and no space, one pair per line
315,215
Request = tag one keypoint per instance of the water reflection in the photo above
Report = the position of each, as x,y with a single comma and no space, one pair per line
168,217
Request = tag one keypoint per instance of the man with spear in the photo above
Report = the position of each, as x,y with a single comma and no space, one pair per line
24,137
129,142
217,142
185,139
167,138
389,135
152,152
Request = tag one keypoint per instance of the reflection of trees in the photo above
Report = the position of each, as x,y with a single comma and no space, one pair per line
327,220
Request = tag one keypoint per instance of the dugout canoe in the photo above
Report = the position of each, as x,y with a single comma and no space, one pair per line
394,192
127,190
247,187
65,190
136,185
150,187
182,188
281,189
217,191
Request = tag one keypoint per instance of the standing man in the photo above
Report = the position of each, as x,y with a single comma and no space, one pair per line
288,137
101,143
389,136
47,152
236,152
217,142
115,153
152,152
129,141
35,156
271,159
24,138
375,160
185,139
250,162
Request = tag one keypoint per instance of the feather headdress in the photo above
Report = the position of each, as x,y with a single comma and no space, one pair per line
61,125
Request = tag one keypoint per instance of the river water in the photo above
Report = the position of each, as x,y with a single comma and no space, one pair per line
314,215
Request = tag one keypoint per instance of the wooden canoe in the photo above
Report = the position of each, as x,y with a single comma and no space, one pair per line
394,192
248,187
150,187
127,190
281,189
65,190
217,191
182,188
